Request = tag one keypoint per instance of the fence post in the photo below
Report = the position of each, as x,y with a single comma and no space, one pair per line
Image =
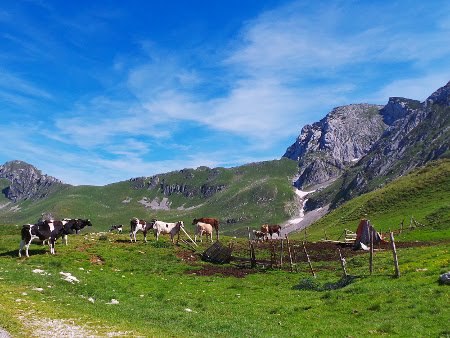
394,252
342,259
371,235
281,255
289,251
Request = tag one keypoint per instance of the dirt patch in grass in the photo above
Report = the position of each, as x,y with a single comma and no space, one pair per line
98,260
317,251
187,256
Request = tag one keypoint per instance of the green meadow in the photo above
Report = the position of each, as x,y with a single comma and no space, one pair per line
156,289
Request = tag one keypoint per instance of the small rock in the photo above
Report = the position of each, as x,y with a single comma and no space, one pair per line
188,310
92,300
113,301
38,289
445,278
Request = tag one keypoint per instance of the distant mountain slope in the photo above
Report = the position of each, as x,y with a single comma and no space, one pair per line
26,182
326,148
418,133
243,196
424,194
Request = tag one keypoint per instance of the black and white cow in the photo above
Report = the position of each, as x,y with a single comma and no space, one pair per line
140,225
50,230
118,227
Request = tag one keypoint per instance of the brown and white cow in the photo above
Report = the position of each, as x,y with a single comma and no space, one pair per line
259,235
50,230
203,228
270,229
213,221
139,225
164,228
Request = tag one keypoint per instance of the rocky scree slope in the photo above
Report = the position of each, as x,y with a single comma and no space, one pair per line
27,182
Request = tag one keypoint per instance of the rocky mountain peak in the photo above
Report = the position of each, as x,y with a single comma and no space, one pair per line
440,96
26,181
325,148
397,108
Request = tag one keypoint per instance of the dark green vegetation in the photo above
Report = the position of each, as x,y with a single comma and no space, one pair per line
244,196
424,194
163,291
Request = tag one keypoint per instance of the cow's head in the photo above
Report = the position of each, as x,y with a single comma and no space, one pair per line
180,224
195,221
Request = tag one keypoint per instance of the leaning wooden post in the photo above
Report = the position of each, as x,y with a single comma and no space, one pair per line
289,251
309,261
342,259
394,252
371,235
188,236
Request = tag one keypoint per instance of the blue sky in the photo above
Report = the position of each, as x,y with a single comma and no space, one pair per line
95,92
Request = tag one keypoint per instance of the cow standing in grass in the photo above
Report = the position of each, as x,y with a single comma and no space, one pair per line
270,229
203,228
50,230
139,225
171,229
213,221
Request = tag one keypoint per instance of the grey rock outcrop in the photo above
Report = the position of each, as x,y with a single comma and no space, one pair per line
326,148
26,182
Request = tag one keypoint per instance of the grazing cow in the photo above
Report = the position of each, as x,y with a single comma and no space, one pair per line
49,230
77,225
139,225
270,229
213,221
203,228
118,227
172,229
259,235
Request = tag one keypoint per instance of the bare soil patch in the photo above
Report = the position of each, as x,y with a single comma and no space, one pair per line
98,260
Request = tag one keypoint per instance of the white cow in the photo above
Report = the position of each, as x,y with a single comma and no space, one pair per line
164,228
203,228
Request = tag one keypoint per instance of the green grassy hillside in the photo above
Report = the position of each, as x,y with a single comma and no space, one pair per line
423,194
246,196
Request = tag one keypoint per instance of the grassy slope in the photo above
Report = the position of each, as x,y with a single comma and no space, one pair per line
423,194
255,193
151,283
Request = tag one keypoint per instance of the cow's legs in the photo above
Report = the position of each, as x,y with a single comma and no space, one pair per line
22,243
65,239
145,236
51,243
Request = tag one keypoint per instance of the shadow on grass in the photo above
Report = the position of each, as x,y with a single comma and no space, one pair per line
312,285
15,253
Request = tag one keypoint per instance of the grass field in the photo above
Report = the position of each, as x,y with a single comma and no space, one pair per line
164,290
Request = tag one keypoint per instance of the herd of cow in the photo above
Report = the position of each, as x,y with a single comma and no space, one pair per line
51,230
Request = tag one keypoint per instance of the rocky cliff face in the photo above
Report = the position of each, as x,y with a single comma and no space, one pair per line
26,182
417,133
186,182
326,148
